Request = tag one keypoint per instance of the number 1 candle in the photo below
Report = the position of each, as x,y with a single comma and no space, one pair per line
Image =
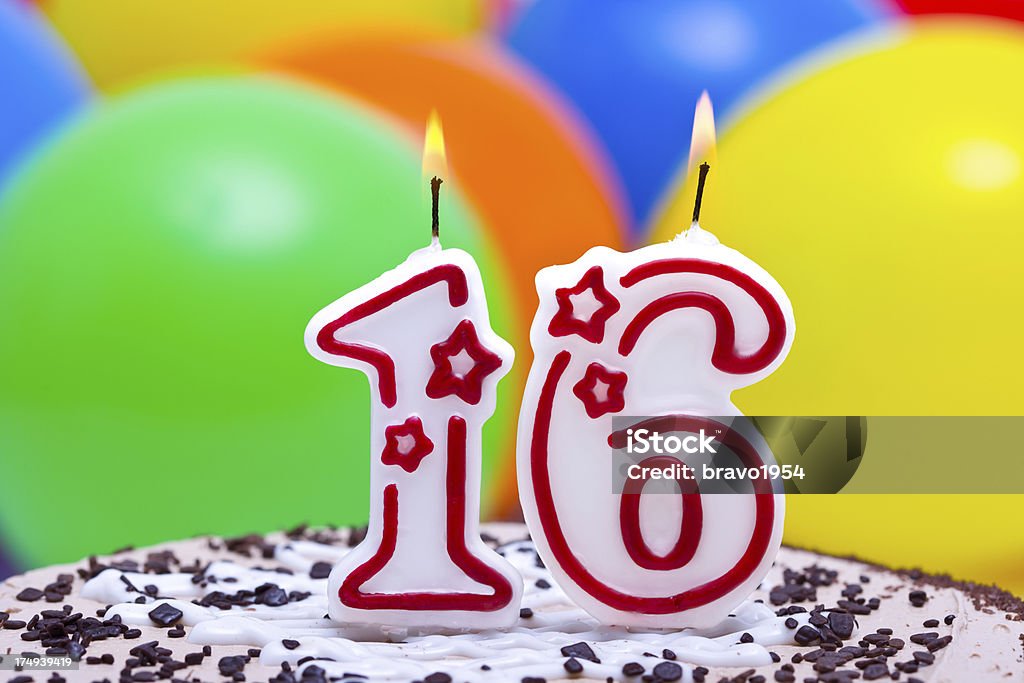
422,335
667,332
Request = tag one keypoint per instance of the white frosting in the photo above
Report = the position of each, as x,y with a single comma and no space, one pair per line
530,648
697,235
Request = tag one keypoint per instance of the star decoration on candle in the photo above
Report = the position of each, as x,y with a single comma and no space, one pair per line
585,308
461,363
601,390
406,444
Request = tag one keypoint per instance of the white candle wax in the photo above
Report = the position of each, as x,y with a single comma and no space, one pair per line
422,335
669,330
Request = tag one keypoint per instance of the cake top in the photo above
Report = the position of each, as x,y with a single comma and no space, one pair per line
253,608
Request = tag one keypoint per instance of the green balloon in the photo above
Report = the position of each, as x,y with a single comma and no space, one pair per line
158,266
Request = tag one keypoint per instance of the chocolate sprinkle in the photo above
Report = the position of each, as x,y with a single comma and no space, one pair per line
271,595
320,570
580,650
923,638
807,635
842,624
875,670
668,671
165,614
231,665
632,669
29,595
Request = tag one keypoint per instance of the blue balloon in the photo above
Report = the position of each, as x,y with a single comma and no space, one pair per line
40,82
7,568
635,69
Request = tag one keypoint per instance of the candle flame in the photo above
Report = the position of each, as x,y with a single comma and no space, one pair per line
435,163
702,140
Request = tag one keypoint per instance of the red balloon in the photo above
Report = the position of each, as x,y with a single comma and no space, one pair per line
1010,9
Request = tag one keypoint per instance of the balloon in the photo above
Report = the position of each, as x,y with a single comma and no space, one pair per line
1010,9
7,568
539,185
40,84
158,267
885,194
635,70
124,40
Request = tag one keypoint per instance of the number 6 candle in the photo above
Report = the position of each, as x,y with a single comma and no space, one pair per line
666,331
422,335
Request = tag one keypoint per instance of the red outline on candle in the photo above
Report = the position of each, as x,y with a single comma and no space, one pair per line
350,593
565,322
760,538
444,382
691,525
422,446
724,357
615,380
381,361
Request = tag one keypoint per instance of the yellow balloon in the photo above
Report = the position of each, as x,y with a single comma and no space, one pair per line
885,192
121,41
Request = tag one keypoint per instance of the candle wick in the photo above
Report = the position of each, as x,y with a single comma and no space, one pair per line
435,195
704,168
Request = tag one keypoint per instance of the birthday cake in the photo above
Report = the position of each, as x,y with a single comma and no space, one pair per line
254,608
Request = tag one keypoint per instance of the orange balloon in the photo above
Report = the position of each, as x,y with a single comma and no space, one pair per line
542,188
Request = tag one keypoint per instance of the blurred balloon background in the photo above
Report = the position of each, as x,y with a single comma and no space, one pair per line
41,84
1010,9
635,69
124,41
884,192
544,192
150,349
163,243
